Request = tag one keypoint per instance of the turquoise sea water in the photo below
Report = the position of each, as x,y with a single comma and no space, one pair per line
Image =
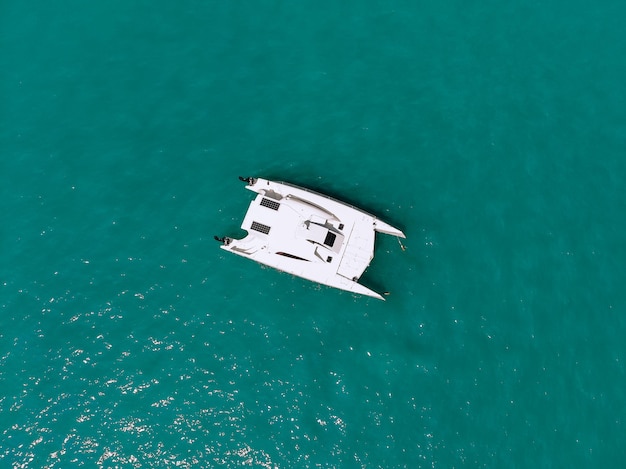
492,133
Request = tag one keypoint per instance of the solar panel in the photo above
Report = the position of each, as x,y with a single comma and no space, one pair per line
270,203
260,227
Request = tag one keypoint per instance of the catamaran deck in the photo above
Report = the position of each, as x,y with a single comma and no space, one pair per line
309,235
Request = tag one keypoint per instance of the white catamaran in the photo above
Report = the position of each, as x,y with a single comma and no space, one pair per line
308,234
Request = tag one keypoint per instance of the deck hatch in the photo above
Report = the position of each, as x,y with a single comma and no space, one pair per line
270,203
260,227
330,239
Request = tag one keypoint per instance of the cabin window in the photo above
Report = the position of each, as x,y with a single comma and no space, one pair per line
269,203
260,227
291,256
330,239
